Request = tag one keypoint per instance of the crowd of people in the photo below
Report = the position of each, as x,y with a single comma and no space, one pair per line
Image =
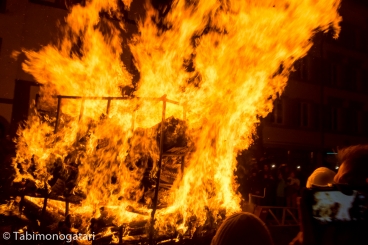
270,186
246,228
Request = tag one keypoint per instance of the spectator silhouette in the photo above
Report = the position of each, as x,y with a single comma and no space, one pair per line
280,192
242,229
293,186
354,166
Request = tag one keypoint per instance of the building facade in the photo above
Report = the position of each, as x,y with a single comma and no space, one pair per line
325,104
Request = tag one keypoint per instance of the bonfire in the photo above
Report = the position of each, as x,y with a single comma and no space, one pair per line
150,156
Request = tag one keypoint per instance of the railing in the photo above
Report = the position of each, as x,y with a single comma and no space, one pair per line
252,196
271,215
274,216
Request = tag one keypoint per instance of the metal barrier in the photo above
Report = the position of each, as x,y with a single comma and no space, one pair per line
278,216
273,215
252,196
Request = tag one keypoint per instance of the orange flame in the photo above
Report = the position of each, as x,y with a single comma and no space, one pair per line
224,61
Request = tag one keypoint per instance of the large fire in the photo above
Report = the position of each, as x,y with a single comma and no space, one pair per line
224,62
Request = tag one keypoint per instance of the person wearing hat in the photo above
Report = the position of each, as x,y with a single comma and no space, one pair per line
321,177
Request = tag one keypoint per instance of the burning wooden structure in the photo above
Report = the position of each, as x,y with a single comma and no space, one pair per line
173,149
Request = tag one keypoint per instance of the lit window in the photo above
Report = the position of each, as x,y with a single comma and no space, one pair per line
364,80
304,114
2,6
334,118
333,75
277,114
302,69
350,78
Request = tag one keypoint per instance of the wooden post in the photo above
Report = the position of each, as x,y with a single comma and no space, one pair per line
108,107
66,208
155,198
81,110
57,114
43,213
